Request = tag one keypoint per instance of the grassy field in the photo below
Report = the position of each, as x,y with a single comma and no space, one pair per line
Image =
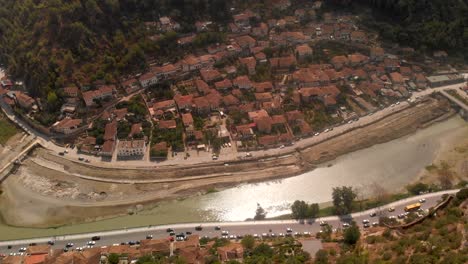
7,130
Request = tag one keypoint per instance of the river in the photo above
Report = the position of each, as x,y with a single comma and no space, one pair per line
391,165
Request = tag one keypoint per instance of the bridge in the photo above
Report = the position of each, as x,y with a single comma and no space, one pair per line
25,151
462,105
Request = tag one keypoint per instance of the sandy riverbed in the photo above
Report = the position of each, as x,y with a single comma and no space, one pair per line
50,191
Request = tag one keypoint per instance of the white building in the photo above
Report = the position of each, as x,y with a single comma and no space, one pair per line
131,149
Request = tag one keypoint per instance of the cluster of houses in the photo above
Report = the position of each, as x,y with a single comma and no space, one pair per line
264,78
189,250
202,86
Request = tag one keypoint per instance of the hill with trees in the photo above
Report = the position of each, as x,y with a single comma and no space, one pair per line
423,24
53,43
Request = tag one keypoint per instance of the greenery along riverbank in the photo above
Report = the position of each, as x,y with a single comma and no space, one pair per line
7,129
344,201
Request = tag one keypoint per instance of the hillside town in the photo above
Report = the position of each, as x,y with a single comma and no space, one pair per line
268,82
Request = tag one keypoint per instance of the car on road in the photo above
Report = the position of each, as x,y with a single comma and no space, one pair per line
373,214
199,228
401,216
397,103
149,236
316,134
323,223
422,200
50,242
365,221
217,228
326,130
169,230
188,232
95,238
391,209
69,245
91,243
80,158
23,249
224,232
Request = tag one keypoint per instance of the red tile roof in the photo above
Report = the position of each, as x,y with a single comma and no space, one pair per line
110,131
167,124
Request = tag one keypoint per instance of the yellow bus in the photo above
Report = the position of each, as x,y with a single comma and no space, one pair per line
412,207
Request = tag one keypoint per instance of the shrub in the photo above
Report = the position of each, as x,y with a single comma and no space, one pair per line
387,256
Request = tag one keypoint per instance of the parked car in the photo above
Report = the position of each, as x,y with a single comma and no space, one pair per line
149,236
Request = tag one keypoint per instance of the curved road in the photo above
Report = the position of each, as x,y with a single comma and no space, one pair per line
236,228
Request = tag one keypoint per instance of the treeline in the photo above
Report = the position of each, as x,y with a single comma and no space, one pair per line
423,24
52,43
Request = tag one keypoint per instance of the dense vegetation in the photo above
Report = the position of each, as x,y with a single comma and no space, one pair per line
53,43
7,130
423,24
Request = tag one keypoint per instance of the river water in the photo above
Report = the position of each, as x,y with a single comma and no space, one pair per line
391,165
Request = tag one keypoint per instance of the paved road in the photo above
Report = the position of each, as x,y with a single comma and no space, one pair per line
230,156
235,228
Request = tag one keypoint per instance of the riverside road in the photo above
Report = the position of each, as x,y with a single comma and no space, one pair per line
234,228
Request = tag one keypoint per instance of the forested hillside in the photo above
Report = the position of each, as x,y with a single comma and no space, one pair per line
53,42
423,24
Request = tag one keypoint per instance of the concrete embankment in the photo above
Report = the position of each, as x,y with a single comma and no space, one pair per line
25,203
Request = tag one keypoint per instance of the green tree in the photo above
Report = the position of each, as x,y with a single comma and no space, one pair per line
248,242
313,210
343,198
321,257
417,188
52,99
260,213
352,234
299,209
113,258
